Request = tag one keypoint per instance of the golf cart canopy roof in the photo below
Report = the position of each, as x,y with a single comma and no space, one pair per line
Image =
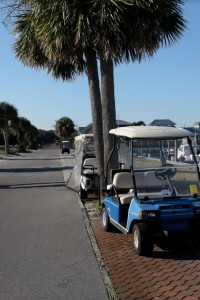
83,136
151,132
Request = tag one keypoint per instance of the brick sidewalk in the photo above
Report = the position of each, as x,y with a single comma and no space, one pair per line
166,275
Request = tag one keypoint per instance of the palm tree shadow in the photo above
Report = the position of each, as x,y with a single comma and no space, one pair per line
182,250
33,185
35,170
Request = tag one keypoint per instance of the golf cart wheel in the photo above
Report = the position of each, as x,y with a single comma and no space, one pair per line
107,226
82,193
142,239
195,237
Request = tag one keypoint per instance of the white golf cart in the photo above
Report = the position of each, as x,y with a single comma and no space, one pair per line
84,177
65,147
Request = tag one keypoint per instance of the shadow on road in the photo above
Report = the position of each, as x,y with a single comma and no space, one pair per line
33,170
32,185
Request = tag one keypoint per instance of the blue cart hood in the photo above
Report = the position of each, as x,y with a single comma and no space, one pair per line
172,203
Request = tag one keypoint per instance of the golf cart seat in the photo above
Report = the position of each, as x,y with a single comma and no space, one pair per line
90,166
123,183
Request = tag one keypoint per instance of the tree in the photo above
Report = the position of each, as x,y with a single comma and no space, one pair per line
139,123
23,128
26,135
61,33
32,138
8,120
64,128
64,59
46,137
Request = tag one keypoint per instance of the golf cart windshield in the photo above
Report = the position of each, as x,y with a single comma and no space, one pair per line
150,154
65,144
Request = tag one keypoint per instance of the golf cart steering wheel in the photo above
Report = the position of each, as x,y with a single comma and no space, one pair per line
86,154
163,174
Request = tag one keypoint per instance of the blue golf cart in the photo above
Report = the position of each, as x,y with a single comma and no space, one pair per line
148,195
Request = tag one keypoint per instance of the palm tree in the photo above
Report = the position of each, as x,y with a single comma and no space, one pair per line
60,59
64,128
25,134
66,32
8,120
141,28
32,137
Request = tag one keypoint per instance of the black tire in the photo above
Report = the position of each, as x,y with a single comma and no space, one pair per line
107,226
196,238
142,239
82,193
68,151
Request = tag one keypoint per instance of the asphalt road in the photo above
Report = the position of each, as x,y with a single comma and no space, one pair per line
45,252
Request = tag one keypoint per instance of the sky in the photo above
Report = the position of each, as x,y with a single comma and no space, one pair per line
166,86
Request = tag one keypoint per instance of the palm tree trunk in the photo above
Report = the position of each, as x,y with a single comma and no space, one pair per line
108,109
95,98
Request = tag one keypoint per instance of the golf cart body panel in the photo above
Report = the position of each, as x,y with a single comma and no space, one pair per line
149,194
171,216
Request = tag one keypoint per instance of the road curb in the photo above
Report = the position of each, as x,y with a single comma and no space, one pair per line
105,275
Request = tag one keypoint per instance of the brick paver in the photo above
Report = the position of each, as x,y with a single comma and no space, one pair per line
167,275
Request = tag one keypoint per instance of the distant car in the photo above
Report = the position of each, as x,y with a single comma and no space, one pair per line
65,147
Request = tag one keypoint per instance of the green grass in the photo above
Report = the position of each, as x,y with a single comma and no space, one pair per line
12,150
98,208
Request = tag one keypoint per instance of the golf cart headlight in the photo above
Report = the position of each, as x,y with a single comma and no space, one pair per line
149,214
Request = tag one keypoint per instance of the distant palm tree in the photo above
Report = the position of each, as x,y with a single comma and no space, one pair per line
8,120
64,128
23,132
139,123
32,137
